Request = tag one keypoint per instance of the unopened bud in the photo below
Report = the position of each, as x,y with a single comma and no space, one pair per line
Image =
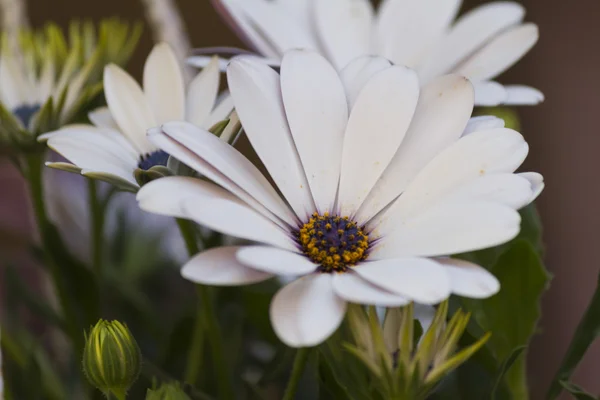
111,358
167,391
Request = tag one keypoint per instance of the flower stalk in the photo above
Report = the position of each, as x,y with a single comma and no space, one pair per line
97,223
206,322
297,370
34,179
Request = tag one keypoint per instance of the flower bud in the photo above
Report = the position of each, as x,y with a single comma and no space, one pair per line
167,391
111,357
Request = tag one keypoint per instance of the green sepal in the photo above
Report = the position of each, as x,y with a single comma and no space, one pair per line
143,177
64,166
218,128
114,180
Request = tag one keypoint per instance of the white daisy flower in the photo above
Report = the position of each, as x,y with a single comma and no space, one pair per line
46,80
425,35
377,188
116,145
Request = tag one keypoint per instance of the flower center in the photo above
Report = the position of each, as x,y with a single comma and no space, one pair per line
333,242
25,112
153,159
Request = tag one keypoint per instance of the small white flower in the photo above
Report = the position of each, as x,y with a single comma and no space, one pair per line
116,145
379,186
422,34
45,66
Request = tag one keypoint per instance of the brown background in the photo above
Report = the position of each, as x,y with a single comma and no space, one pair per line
562,132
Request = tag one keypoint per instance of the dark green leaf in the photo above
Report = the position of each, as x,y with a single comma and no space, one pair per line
31,300
587,331
505,367
330,383
512,314
577,392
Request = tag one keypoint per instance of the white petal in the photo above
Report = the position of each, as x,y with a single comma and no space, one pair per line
13,83
537,183
284,32
109,139
350,287
523,95
418,279
490,94
501,53
317,112
129,107
407,29
163,85
483,123
307,311
471,157
223,164
377,125
166,196
444,107
470,280
509,189
219,267
96,153
275,261
202,94
452,228
234,14
204,61
469,34
236,219
344,27
256,92
102,118
358,72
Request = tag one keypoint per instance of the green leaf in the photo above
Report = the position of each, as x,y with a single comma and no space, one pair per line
587,331
577,392
505,367
331,383
31,300
513,313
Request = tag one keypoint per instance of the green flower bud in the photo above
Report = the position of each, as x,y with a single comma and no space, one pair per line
111,358
167,391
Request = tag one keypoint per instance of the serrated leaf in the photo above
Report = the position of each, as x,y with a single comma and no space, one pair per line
587,332
577,392
505,367
512,314
329,381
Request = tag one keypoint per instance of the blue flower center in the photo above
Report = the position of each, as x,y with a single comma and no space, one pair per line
153,159
25,112
333,242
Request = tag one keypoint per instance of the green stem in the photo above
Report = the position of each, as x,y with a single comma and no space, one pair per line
97,224
297,370
206,321
196,351
36,191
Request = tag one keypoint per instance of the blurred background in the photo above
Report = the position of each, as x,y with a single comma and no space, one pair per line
562,134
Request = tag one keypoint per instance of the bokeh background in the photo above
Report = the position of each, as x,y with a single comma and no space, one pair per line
563,134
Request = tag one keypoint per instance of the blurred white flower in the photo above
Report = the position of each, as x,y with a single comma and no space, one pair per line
116,145
378,189
47,79
422,34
